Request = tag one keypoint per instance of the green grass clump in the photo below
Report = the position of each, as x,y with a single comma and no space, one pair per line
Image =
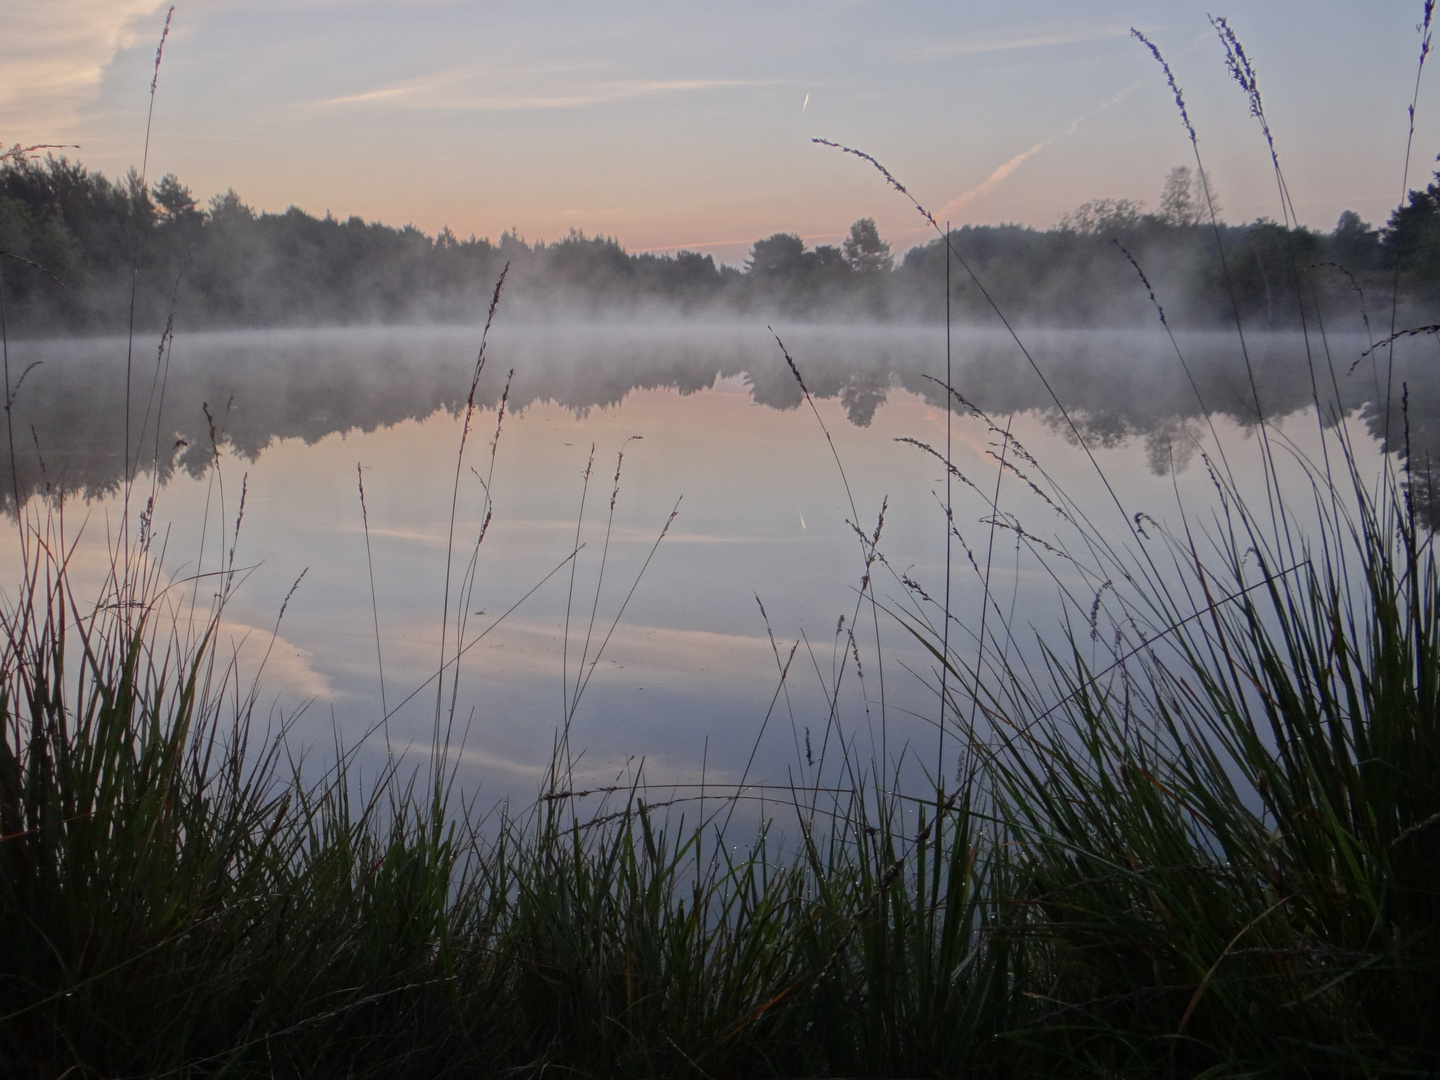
179,899
1231,835
173,899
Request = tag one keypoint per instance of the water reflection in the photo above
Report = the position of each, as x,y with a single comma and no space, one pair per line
690,671
244,391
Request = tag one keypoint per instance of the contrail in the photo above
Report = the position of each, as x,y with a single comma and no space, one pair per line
806,105
1000,175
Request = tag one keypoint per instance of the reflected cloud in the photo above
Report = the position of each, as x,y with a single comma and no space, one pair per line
289,671
474,758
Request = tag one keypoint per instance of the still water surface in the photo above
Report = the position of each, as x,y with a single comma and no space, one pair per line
711,417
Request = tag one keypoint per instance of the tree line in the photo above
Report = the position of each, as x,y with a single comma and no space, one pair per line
77,250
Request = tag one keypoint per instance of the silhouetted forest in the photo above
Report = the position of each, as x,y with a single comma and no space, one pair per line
76,244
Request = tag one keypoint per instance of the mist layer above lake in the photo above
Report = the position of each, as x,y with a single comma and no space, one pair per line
70,422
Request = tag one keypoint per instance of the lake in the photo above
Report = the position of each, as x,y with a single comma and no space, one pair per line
676,649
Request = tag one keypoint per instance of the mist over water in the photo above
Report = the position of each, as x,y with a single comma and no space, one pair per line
688,673
263,386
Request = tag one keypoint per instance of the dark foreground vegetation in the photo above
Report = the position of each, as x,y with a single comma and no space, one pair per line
82,236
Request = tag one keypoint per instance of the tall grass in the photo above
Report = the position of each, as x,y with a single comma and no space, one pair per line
179,899
1229,833
1200,835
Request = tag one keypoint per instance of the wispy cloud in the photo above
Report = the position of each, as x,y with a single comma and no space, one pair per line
1027,40
452,91
55,55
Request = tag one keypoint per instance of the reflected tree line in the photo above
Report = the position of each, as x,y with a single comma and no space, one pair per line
76,241
1119,387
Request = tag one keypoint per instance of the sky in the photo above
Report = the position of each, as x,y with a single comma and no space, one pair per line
674,124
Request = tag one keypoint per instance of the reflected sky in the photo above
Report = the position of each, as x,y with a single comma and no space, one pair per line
687,669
